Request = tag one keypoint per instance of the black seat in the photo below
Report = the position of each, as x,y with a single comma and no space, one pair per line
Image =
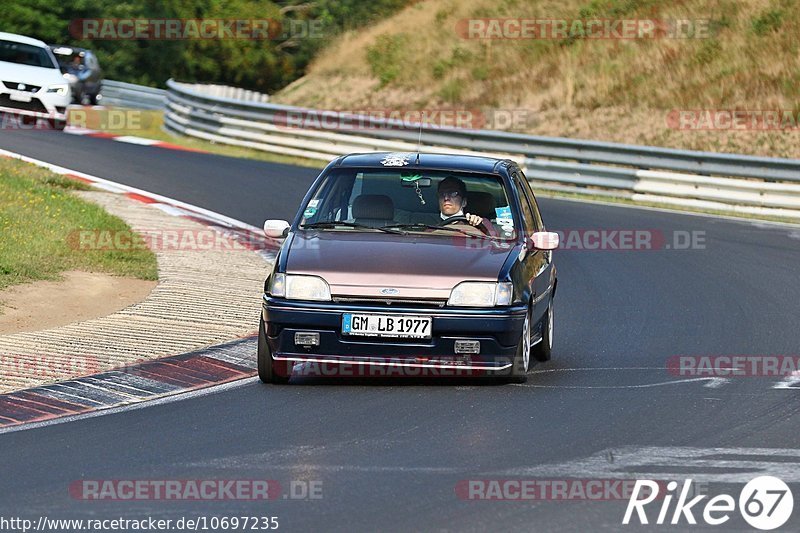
481,204
373,210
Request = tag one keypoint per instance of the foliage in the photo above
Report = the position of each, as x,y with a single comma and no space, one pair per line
259,64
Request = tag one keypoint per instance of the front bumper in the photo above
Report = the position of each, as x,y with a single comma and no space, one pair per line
498,331
41,105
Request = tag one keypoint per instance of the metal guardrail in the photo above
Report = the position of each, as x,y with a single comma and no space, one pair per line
226,91
123,94
729,182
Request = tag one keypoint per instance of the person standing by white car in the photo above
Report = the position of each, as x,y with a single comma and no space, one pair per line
31,84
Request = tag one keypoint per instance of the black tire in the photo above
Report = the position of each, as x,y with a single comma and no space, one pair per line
519,370
544,350
58,125
266,364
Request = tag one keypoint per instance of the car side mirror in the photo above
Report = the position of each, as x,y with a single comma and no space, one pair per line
276,228
545,240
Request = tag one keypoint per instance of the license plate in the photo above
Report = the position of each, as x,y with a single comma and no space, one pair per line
19,97
398,326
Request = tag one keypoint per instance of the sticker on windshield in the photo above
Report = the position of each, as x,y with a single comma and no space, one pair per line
504,216
313,203
395,160
310,211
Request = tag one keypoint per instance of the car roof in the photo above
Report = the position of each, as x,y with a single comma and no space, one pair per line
455,162
21,39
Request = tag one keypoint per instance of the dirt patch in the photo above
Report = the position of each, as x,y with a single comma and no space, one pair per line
79,296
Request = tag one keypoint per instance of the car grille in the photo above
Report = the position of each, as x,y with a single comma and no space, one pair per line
34,105
388,302
28,88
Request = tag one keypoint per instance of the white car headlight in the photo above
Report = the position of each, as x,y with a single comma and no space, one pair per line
300,287
61,89
481,294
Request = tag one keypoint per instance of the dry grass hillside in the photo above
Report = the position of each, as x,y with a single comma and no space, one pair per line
609,89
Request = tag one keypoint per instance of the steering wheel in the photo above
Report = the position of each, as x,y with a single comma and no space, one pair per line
454,220
457,219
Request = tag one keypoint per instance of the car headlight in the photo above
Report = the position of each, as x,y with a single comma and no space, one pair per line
61,89
481,294
300,287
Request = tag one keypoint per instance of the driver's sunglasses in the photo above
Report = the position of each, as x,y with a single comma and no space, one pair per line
449,194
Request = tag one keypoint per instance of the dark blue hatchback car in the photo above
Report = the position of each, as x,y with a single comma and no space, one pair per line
410,265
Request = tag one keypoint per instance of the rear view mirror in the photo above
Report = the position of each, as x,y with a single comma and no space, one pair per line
414,181
545,240
276,228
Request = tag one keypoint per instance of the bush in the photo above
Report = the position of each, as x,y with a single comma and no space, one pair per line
767,22
385,57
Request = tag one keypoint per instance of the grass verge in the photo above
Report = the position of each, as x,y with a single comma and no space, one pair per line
39,212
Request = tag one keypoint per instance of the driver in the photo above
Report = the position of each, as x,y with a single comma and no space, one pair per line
453,200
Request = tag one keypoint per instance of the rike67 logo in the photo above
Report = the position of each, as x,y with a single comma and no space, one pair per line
765,503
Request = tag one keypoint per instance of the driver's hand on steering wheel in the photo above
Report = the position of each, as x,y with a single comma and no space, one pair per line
474,220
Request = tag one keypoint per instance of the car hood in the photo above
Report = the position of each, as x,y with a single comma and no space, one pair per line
361,264
30,75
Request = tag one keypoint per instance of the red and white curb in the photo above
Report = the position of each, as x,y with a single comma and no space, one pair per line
130,139
132,384
151,379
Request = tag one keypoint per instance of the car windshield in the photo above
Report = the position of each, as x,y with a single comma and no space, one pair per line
25,54
410,201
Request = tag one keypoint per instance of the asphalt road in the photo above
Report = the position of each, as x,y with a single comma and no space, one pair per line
389,454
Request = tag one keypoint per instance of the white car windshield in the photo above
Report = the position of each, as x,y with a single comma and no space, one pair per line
25,54
410,200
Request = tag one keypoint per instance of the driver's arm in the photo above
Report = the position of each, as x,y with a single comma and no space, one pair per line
475,220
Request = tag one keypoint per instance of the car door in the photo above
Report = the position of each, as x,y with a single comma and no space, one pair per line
538,263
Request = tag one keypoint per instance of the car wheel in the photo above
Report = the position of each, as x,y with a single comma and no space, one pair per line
266,364
544,350
522,360
58,125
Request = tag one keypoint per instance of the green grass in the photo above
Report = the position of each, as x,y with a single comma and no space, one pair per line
39,214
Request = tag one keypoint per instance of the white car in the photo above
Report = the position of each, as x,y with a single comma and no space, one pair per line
31,83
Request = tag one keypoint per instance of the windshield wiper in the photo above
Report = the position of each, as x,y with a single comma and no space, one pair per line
325,224
420,226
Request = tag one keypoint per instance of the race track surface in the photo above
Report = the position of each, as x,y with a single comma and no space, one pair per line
390,453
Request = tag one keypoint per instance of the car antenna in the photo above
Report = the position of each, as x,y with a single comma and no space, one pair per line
419,141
